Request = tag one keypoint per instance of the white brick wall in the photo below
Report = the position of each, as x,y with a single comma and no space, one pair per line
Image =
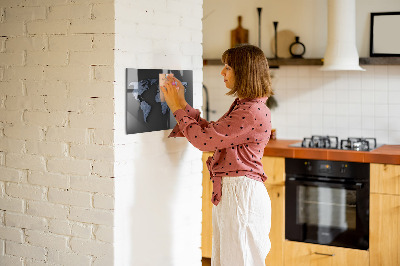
25,221
56,132
62,67
156,177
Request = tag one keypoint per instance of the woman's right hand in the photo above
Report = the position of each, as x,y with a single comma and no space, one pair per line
181,91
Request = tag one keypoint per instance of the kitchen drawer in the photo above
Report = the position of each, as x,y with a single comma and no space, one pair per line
385,178
305,254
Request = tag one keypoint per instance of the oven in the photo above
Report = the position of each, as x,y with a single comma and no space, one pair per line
327,202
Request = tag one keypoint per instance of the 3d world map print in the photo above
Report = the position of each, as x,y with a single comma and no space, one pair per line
146,109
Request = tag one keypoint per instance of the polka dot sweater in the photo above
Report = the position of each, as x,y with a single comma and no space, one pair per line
238,139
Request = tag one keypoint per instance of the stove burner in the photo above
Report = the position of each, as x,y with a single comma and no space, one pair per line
332,142
358,144
328,142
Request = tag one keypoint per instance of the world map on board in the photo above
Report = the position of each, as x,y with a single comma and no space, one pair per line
140,87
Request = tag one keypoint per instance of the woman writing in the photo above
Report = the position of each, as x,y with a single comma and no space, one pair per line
242,209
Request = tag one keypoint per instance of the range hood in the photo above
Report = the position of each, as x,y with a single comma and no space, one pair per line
341,51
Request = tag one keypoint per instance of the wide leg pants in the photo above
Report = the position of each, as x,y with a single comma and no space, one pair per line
241,223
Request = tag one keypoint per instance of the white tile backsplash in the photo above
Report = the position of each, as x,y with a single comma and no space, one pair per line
382,136
342,123
381,97
304,82
367,123
394,96
292,82
394,110
329,109
394,137
367,97
343,103
381,83
342,109
381,110
367,110
367,83
381,71
394,124
394,82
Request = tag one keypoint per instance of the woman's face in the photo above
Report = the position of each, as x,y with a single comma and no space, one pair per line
229,76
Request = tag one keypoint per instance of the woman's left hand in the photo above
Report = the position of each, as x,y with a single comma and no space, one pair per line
170,91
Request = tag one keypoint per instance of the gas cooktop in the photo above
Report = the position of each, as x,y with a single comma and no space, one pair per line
332,142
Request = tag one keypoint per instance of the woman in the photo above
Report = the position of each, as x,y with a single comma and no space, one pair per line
242,208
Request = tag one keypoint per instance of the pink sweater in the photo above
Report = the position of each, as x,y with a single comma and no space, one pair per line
238,139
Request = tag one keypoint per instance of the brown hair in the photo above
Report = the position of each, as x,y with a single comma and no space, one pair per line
250,66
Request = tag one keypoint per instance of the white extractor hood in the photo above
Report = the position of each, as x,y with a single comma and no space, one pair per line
341,51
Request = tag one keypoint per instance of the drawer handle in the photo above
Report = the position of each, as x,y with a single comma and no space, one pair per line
324,254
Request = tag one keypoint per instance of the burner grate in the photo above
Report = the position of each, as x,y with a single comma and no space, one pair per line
327,142
358,144
332,142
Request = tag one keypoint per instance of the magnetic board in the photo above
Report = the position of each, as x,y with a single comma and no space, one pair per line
145,109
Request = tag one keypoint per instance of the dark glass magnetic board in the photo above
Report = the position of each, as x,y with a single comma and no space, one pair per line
145,112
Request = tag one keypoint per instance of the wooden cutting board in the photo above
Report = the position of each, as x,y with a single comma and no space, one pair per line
239,35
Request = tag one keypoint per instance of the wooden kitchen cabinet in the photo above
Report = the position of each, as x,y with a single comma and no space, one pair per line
384,236
305,254
274,168
206,225
385,178
277,233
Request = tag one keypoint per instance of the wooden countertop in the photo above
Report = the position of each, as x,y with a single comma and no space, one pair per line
389,154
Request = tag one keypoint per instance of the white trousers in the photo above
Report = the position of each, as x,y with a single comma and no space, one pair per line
241,223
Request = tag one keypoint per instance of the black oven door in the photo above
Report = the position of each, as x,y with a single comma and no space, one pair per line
327,212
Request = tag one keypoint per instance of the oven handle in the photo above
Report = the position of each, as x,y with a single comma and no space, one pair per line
357,185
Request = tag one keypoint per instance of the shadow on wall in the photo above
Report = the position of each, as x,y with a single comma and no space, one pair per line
156,191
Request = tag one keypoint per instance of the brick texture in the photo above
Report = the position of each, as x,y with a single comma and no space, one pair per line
24,221
25,250
68,258
46,209
95,216
56,125
11,233
62,104
47,240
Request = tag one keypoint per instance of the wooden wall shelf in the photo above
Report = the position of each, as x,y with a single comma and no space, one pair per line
273,63
380,61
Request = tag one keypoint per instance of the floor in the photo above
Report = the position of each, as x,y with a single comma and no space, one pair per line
206,261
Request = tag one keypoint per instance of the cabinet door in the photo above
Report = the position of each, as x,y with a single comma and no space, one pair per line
384,229
304,254
277,233
385,178
206,226
274,168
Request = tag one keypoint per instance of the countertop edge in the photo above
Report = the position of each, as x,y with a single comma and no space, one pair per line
386,154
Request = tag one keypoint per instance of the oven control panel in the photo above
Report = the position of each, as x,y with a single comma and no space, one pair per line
338,169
